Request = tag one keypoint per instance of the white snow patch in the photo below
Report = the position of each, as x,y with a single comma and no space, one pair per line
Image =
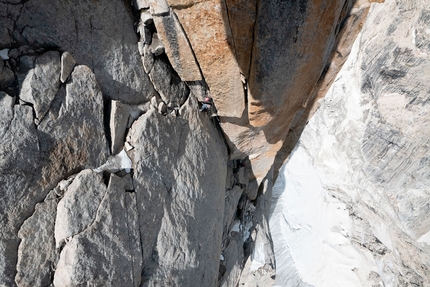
258,258
4,54
310,227
314,227
116,163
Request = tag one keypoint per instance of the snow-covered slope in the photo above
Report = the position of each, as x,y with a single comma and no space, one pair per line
350,207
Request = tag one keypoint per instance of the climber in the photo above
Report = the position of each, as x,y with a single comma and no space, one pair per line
206,104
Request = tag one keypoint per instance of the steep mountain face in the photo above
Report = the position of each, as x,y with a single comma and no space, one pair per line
110,175
351,204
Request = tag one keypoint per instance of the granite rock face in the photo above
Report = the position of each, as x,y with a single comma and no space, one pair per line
356,187
110,175
92,34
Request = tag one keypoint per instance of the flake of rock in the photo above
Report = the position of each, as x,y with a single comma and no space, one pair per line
146,17
162,108
141,4
109,246
19,161
128,146
154,101
37,243
67,65
78,207
184,180
7,77
157,47
146,36
6,112
159,7
119,118
177,47
75,139
170,88
65,183
42,83
26,63
147,59
252,189
140,47
115,163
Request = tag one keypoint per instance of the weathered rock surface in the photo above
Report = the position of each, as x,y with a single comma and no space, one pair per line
107,251
356,198
177,47
34,158
267,76
212,46
170,88
182,198
77,209
92,34
37,268
179,176
18,165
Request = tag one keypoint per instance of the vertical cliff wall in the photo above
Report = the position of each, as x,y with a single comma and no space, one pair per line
110,175
351,204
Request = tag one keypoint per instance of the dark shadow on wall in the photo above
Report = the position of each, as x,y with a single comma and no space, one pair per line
287,62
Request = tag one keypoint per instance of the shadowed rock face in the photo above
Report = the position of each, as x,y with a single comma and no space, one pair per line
108,171
268,74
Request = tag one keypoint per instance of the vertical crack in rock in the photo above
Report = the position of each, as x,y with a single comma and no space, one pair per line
37,242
